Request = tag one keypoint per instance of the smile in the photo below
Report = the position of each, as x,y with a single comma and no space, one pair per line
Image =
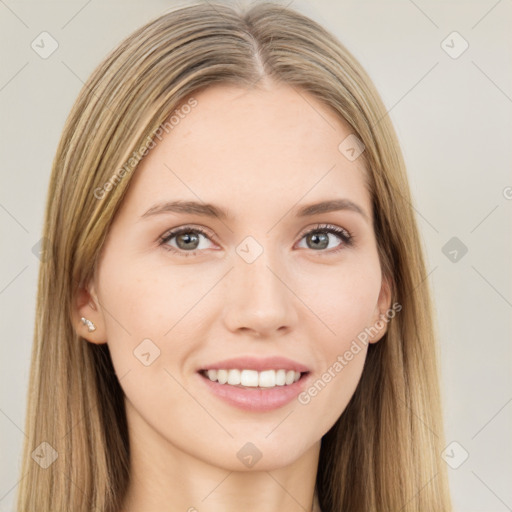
253,378
269,394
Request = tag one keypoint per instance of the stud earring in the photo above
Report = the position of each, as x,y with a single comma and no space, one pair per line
90,326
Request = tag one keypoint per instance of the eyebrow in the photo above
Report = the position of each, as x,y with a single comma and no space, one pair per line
210,210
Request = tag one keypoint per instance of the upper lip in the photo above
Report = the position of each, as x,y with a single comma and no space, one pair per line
258,364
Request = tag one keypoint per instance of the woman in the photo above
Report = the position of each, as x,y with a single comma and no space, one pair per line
235,314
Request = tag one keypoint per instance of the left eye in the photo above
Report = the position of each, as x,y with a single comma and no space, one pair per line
188,239
319,238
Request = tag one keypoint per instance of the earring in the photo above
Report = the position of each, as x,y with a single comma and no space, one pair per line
90,326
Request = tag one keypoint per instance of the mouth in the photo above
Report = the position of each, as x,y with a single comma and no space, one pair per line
246,378
255,385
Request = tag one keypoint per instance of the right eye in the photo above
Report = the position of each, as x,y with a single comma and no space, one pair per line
188,240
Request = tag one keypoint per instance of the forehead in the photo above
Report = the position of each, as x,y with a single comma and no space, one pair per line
247,148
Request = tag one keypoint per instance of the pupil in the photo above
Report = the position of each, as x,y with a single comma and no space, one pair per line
323,238
188,238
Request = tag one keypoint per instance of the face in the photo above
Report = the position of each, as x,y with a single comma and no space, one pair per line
283,288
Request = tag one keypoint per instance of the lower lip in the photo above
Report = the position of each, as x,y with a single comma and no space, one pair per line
256,399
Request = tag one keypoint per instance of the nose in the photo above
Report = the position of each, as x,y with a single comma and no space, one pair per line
259,300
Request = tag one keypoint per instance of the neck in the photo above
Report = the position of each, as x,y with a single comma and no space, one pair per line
164,478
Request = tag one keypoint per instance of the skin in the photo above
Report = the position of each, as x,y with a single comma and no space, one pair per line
260,154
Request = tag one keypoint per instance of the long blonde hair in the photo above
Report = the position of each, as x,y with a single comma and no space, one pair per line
384,452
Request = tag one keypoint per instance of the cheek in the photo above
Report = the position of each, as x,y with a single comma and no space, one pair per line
142,316
328,394
344,301
144,299
343,298
148,311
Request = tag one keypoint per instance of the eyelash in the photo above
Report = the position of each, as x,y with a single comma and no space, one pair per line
346,237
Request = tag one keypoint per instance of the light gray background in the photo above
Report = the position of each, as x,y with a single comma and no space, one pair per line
453,119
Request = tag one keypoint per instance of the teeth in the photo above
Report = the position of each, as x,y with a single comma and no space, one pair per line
249,378
222,376
234,377
267,379
281,377
253,379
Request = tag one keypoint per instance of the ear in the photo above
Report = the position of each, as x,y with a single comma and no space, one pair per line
87,305
380,320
